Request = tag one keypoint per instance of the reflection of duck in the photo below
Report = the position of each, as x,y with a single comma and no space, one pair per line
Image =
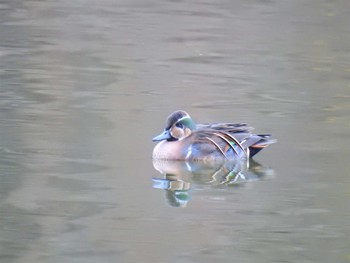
182,139
180,175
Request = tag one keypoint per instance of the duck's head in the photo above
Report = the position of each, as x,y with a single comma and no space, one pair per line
179,125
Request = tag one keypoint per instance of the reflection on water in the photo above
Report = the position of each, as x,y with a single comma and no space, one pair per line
179,177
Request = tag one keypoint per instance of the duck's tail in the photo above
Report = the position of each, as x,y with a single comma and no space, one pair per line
260,144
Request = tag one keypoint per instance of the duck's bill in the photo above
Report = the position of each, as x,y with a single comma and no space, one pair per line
163,136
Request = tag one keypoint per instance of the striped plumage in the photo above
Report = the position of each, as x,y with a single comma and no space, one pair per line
182,139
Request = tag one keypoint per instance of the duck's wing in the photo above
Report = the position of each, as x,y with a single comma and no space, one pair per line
236,137
207,141
226,127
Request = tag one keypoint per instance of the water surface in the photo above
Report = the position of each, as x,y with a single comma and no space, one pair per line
85,86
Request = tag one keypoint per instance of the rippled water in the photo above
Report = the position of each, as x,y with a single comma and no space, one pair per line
86,85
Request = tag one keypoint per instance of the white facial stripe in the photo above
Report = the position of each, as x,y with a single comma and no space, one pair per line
183,118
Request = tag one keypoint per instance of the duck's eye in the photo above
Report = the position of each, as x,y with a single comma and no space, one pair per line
179,125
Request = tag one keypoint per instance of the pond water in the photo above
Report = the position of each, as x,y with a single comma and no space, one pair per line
86,85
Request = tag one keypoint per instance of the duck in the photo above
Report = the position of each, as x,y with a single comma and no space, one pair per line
184,140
